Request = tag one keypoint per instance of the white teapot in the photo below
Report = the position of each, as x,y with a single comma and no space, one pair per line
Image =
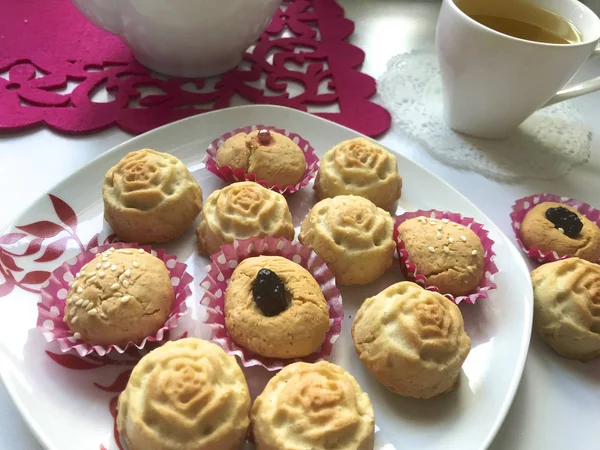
186,38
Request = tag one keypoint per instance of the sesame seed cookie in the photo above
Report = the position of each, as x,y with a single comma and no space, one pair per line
560,228
120,296
448,254
275,308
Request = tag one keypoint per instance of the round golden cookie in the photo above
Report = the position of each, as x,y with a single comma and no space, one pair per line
277,160
242,210
450,255
120,296
313,406
186,395
295,332
566,298
537,231
150,197
360,167
413,341
352,235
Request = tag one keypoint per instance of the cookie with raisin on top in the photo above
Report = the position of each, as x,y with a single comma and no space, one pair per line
560,228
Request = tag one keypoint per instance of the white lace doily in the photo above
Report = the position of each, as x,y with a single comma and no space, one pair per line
545,146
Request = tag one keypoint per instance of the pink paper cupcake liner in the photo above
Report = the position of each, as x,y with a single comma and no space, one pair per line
411,271
51,307
526,204
230,175
219,272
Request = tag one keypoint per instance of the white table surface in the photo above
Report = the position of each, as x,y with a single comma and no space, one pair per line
557,405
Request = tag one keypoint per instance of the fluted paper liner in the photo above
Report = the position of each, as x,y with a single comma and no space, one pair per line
231,175
51,307
219,272
411,271
526,204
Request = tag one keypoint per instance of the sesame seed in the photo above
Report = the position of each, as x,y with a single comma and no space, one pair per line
69,301
70,283
423,220
135,264
474,252
112,249
106,265
116,286
93,312
118,294
89,306
79,302
125,298
439,235
98,265
128,273
440,227
460,228
446,249
113,267
125,283
79,290
104,258
121,277
432,250
463,238
85,303
445,220
77,335
73,299
141,250
451,240
74,319
561,230
73,311
92,278
101,274
432,222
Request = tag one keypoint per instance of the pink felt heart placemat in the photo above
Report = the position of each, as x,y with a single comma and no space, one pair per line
53,61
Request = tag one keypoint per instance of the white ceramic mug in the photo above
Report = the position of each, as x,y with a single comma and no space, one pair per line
492,82
187,38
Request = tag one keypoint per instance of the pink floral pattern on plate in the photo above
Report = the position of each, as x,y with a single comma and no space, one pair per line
52,305
230,175
526,204
411,271
219,272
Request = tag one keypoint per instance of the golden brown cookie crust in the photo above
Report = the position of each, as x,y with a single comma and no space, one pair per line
352,235
120,296
296,332
567,307
539,232
412,340
313,406
240,211
187,394
360,167
280,162
450,255
150,197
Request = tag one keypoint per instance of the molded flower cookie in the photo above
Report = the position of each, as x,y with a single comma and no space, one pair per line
311,406
240,211
150,197
185,394
352,235
567,307
412,340
360,167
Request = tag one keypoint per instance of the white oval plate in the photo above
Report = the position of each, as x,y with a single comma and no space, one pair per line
67,411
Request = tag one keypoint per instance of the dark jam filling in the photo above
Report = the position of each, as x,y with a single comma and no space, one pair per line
269,293
565,220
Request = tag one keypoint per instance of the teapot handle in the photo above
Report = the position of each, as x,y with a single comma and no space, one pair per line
104,13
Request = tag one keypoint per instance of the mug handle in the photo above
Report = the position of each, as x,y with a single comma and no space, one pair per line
579,89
